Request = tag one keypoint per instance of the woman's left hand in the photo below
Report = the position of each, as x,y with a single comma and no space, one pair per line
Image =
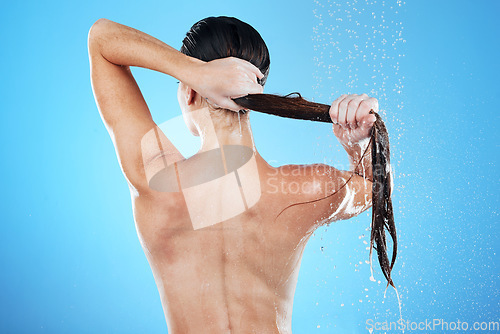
351,117
222,79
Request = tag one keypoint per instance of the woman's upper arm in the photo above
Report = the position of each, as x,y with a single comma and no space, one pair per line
342,194
126,116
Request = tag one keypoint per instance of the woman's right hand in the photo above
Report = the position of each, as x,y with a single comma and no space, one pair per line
220,80
351,118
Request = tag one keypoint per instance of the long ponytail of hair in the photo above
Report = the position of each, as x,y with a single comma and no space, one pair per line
382,214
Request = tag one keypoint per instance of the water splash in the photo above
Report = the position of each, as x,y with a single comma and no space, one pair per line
358,46
239,121
399,304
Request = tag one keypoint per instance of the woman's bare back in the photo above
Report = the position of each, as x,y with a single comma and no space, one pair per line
237,275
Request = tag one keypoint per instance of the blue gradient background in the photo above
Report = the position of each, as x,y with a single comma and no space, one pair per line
69,256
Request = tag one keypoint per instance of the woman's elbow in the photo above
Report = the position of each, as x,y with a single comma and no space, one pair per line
96,30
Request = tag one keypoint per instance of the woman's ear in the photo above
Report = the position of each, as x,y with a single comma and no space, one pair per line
190,96
186,94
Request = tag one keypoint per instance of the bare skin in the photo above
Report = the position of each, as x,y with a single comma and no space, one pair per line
236,275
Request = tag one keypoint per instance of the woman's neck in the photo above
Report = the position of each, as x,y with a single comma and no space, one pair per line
226,131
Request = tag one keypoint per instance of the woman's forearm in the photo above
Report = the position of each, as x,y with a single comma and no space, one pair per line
126,46
218,80
355,152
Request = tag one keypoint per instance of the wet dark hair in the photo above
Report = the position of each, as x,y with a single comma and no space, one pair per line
220,37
